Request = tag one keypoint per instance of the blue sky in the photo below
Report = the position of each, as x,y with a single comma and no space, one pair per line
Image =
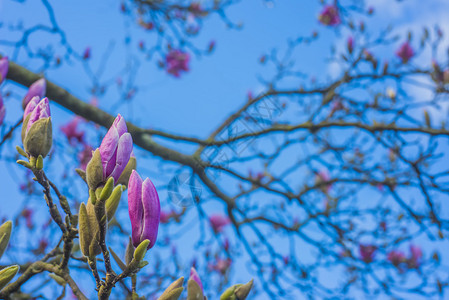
216,85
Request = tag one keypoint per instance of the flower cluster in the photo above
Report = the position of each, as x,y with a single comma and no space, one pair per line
177,61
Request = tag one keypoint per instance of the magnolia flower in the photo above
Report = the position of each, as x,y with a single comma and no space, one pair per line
2,110
195,277
405,52
177,61
3,68
84,156
329,16
37,128
367,252
111,158
323,177
144,210
218,222
36,89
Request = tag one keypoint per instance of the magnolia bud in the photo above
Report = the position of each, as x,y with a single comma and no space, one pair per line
36,89
37,130
243,291
7,274
173,291
194,291
5,234
94,171
88,230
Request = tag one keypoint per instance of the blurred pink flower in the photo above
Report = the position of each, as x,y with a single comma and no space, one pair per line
350,44
86,53
2,110
405,52
329,16
415,259
177,61
217,222
367,252
323,177
70,130
396,257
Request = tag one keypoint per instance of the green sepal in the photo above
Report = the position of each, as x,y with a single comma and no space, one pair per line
107,189
40,162
129,252
92,197
172,295
82,174
117,259
24,163
113,201
5,235
94,171
141,250
21,151
130,166
242,291
194,291
24,128
7,274
229,294
142,264
173,291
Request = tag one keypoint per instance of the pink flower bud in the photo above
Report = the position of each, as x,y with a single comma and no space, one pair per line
367,252
195,277
405,52
36,89
144,209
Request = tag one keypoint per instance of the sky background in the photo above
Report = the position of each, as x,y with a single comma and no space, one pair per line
197,102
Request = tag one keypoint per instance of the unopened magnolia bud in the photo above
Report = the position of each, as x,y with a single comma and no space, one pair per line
88,230
94,171
129,253
5,234
243,291
194,291
173,291
38,139
7,274
85,234
141,250
113,201
130,166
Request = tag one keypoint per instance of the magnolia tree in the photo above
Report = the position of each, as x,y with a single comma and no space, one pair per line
318,186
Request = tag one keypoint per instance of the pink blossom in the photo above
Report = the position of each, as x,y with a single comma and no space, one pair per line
221,265
4,64
367,252
396,257
71,131
177,61
405,52
218,222
415,258
329,16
